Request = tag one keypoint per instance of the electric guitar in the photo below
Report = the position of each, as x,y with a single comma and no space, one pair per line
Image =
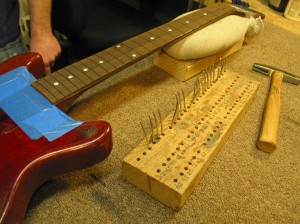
25,163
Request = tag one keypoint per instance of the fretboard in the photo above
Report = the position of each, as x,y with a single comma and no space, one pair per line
84,74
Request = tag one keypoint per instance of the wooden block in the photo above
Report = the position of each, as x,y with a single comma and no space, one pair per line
185,69
169,163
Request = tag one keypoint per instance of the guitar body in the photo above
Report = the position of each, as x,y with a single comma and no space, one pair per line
25,164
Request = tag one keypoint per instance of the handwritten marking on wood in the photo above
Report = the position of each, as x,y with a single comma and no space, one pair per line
170,168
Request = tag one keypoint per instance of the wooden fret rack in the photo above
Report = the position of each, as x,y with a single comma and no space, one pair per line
170,167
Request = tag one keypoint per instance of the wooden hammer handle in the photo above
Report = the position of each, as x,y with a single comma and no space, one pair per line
270,123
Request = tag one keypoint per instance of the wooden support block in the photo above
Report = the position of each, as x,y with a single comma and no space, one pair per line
170,162
185,69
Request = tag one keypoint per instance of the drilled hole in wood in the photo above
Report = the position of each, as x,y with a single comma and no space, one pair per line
138,159
149,148
186,168
168,159
190,163
181,174
144,153
164,164
175,180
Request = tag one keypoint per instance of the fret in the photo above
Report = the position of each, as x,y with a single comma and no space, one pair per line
80,71
58,86
73,80
147,40
42,89
79,82
92,70
174,29
65,81
131,44
157,43
125,59
141,50
142,39
88,70
49,88
106,65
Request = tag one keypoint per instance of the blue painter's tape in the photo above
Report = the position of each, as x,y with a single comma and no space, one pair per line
14,81
34,114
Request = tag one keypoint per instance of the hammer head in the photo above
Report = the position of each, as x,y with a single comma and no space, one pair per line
268,70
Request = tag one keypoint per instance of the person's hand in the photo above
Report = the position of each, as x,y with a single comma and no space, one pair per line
48,47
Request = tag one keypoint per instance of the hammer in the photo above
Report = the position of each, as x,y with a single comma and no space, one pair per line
268,133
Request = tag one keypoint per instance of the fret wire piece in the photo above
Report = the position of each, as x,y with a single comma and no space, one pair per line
206,79
199,86
193,98
152,134
175,113
156,125
179,100
161,123
183,96
222,66
211,75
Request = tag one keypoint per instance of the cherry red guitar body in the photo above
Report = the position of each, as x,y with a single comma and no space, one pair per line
25,164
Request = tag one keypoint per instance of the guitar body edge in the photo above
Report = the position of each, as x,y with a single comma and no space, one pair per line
27,164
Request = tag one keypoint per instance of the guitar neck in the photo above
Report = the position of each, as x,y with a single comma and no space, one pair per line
84,74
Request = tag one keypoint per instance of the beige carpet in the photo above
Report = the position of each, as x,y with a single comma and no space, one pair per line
243,184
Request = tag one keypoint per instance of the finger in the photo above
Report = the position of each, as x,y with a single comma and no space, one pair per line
47,70
51,63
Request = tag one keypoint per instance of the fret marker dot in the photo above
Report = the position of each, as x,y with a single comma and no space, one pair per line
101,62
133,55
70,76
187,21
56,83
85,69
205,14
152,38
170,30
118,46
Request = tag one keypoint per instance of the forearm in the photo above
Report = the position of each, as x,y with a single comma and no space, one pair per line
42,39
40,18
